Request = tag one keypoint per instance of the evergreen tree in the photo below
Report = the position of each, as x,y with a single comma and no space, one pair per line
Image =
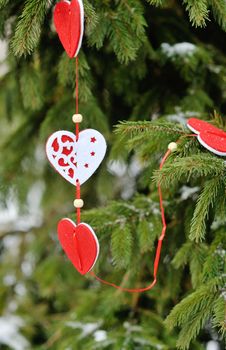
150,64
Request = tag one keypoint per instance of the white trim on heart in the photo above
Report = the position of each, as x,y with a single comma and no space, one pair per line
192,129
213,150
82,20
82,26
94,236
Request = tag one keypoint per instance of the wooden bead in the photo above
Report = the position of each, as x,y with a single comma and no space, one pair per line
172,146
78,203
77,118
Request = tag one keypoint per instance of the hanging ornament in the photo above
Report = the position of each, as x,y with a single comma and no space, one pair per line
69,22
209,136
76,156
80,244
76,160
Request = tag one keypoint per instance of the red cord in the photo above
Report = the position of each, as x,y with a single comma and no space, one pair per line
77,192
77,95
78,196
164,226
158,250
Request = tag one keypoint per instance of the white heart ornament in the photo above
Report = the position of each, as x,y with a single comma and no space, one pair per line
76,160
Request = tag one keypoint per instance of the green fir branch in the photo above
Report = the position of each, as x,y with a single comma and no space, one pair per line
3,3
132,128
192,313
29,26
121,245
219,11
213,189
219,310
215,264
198,12
198,165
182,256
156,3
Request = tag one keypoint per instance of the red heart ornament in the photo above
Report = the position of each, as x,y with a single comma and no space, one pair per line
80,244
69,22
76,160
209,136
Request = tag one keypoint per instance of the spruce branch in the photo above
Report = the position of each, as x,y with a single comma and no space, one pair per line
127,30
213,189
147,233
192,313
29,26
219,11
215,263
182,256
198,165
156,2
121,245
3,3
198,12
92,18
220,312
195,255
133,128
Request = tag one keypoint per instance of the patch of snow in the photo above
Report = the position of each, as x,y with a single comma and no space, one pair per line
181,117
221,252
217,223
9,280
12,244
135,167
86,328
3,55
9,333
117,168
144,343
187,192
223,294
131,328
12,306
10,217
27,267
131,207
180,49
215,69
127,182
20,289
34,199
151,226
212,345
100,336
126,175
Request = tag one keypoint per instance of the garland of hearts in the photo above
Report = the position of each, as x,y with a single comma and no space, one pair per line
76,156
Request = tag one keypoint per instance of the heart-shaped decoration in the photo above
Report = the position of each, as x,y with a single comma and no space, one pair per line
76,160
80,244
69,22
209,136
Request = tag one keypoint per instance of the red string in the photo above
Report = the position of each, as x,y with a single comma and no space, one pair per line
77,192
158,250
77,95
78,196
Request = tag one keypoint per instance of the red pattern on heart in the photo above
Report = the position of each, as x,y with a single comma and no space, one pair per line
210,137
69,22
79,243
76,160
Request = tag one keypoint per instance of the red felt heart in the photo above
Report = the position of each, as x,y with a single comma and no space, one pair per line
69,22
79,243
209,136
